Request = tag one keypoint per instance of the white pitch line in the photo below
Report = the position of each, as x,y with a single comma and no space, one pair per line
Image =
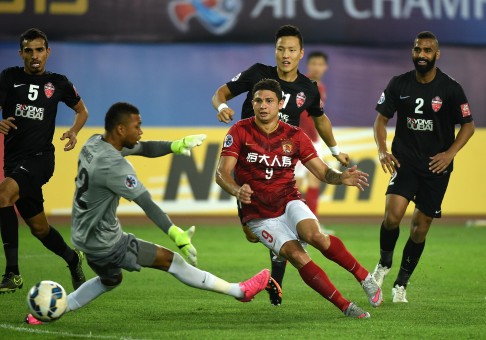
66,334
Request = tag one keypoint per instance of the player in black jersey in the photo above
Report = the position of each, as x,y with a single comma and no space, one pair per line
29,97
428,104
299,93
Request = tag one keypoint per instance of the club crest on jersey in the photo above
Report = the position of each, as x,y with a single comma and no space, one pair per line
465,110
228,141
300,99
49,90
287,146
131,182
436,103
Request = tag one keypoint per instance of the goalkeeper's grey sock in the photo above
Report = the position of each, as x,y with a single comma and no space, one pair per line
197,278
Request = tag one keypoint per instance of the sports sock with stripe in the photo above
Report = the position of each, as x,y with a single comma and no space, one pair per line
338,253
317,279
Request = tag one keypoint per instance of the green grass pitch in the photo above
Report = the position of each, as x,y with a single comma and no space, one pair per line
447,293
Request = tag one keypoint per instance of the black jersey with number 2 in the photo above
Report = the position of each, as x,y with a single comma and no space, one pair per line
426,116
32,100
299,95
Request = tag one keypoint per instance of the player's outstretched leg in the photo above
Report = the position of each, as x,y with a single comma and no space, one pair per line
194,277
338,253
86,293
278,271
317,279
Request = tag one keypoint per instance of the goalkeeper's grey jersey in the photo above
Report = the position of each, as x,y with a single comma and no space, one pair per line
103,177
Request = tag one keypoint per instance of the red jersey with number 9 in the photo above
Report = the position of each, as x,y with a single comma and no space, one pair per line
266,162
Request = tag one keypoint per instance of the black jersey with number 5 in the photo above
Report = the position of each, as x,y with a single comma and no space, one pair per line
32,100
299,95
426,116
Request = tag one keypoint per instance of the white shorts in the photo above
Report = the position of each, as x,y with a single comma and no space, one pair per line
276,231
300,170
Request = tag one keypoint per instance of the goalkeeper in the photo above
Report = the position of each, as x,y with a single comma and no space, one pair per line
104,176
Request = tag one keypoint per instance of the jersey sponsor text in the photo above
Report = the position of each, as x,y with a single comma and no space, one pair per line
418,124
254,157
29,111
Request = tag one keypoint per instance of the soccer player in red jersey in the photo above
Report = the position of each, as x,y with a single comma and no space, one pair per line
300,94
262,151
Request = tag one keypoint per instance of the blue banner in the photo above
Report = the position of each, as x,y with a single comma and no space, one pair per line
172,84
363,22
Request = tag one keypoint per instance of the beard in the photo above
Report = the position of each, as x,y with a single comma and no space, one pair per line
422,69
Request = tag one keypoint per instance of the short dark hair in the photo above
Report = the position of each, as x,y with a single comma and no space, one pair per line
118,113
427,35
289,31
317,54
270,85
31,34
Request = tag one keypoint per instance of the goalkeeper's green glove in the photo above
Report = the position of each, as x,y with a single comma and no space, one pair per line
182,240
183,146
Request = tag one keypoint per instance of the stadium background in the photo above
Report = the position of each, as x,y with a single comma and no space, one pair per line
168,58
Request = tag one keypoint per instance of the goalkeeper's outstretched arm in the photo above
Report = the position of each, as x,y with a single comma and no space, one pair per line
152,149
181,238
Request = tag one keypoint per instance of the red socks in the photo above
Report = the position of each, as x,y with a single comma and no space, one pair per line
312,198
338,253
317,279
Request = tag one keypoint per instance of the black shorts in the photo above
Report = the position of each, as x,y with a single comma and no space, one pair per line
31,174
426,191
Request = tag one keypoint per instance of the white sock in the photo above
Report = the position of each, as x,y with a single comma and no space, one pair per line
86,293
197,278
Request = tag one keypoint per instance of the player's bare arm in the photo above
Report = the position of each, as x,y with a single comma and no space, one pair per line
386,158
324,128
6,125
441,161
80,119
351,176
226,181
222,95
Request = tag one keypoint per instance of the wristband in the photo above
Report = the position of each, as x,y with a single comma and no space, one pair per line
222,107
335,150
